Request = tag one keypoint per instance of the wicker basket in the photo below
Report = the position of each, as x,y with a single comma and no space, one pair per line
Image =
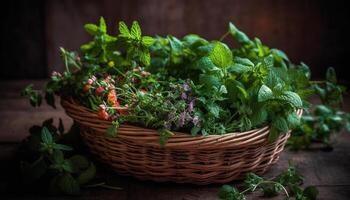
184,159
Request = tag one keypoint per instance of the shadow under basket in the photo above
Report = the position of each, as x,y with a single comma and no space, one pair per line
198,160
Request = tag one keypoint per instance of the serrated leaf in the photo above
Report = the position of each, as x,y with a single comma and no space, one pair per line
280,53
293,120
92,29
204,64
68,185
264,94
237,34
79,161
273,134
87,175
280,123
103,26
145,58
136,30
175,44
221,55
244,61
239,68
58,157
62,147
147,41
124,30
292,98
46,136
310,192
331,75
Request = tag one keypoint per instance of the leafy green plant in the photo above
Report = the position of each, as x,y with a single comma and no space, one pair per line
288,182
47,163
325,119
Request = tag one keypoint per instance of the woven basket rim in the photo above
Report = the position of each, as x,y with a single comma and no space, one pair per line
68,103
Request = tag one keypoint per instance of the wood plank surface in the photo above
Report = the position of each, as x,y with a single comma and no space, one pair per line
329,171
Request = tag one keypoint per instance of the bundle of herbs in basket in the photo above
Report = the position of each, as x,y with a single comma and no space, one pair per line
182,110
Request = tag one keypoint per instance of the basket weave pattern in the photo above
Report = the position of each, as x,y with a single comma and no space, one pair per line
184,159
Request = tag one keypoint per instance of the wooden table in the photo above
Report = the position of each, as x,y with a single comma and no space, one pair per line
329,171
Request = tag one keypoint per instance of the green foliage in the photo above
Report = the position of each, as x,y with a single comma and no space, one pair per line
46,162
287,182
224,89
324,120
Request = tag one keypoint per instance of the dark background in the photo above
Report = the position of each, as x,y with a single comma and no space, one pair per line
315,32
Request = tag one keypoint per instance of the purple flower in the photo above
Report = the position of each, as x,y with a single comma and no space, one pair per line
183,96
186,87
182,119
195,120
191,105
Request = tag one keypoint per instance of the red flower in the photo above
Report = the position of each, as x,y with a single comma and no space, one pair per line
102,113
99,91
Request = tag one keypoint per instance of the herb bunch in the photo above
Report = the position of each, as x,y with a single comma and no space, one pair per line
190,84
47,162
288,182
322,121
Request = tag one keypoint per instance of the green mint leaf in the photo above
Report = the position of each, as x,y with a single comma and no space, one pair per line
237,34
147,40
239,68
123,30
204,64
331,75
292,98
310,192
103,26
57,157
68,166
62,147
280,54
175,44
92,29
264,94
164,135
221,55
79,161
280,123
145,58
112,130
87,175
293,120
244,61
46,136
228,192
68,185
136,30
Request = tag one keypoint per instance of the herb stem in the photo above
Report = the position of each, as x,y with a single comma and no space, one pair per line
224,36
